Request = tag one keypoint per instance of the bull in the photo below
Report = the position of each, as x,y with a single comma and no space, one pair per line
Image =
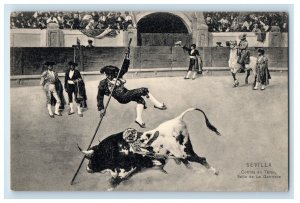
126,153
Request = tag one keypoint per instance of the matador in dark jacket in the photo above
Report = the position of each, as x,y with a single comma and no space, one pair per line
74,85
194,65
121,93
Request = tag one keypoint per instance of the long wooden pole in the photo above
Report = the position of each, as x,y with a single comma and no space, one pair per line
100,121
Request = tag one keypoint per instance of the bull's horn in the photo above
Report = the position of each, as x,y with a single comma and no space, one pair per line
87,153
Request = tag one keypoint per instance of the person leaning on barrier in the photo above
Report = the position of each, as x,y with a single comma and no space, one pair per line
90,44
53,89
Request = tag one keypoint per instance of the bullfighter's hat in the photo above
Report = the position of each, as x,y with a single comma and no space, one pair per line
109,70
261,50
243,36
71,63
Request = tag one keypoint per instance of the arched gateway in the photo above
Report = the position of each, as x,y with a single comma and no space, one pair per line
163,28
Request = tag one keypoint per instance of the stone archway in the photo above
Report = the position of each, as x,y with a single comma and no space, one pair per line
162,28
185,19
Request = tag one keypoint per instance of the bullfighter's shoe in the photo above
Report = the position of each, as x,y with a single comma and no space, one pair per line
71,112
163,107
255,87
58,114
142,125
80,115
51,115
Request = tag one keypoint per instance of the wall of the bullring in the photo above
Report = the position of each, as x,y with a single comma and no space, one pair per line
28,61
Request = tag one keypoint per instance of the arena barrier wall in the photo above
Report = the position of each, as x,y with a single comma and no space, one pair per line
29,60
67,38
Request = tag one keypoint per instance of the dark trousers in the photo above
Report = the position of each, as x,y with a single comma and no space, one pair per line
72,90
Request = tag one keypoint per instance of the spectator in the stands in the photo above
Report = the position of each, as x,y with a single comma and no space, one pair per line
41,23
12,23
60,19
128,21
45,17
111,20
209,23
102,24
90,25
284,23
52,19
223,24
235,25
256,29
119,21
95,16
246,26
76,21
28,23
34,24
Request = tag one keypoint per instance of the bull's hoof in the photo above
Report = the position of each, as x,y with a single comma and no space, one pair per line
214,171
114,182
246,81
236,83
163,170
58,114
110,189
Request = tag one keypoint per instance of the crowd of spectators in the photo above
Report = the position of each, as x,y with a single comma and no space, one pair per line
246,22
72,20
216,21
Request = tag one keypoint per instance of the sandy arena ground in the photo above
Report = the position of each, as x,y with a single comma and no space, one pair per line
253,124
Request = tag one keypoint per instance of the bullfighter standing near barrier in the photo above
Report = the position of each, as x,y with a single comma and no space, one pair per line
244,55
194,62
73,81
53,89
122,94
262,71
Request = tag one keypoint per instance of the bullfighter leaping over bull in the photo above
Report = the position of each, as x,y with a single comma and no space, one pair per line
121,93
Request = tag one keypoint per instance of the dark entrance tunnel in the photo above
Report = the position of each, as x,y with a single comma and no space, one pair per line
169,25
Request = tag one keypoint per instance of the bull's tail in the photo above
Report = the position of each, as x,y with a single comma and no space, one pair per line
208,124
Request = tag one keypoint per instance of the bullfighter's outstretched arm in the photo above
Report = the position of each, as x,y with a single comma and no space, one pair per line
186,48
124,67
125,64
